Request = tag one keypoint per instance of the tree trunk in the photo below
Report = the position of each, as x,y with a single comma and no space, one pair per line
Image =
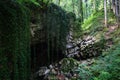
86,9
110,4
116,7
113,6
95,5
80,10
105,11
117,11
73,4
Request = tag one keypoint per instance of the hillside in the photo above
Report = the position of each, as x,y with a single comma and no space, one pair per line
106,66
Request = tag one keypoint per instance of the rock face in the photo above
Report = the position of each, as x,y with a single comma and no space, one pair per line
14,41
49,28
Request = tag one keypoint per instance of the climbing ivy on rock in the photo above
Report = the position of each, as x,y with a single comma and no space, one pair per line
14,41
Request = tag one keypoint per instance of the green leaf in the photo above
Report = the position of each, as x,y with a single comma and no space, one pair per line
35,2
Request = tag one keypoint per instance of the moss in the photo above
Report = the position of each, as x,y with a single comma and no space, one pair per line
14,38
54,24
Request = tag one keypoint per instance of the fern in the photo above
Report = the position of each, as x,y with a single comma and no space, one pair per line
105,68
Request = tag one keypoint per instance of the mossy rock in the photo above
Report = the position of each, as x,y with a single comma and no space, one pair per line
14,39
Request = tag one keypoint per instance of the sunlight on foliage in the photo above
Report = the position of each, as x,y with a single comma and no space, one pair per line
93,20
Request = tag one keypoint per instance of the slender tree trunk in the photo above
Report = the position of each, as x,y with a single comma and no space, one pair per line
110,4
86,9
119,13
80,10
119,7
73,4
113,6
95,5
116,7
116,11
105,11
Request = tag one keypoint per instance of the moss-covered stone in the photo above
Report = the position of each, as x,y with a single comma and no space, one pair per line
51,26
14,41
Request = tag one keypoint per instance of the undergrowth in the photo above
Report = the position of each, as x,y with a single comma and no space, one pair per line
105,68
95,23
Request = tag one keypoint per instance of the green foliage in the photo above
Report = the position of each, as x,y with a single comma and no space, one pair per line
111,65
84,72
29,1
14,47
93,21
68,5
103,76
68,64
105,68
77,30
